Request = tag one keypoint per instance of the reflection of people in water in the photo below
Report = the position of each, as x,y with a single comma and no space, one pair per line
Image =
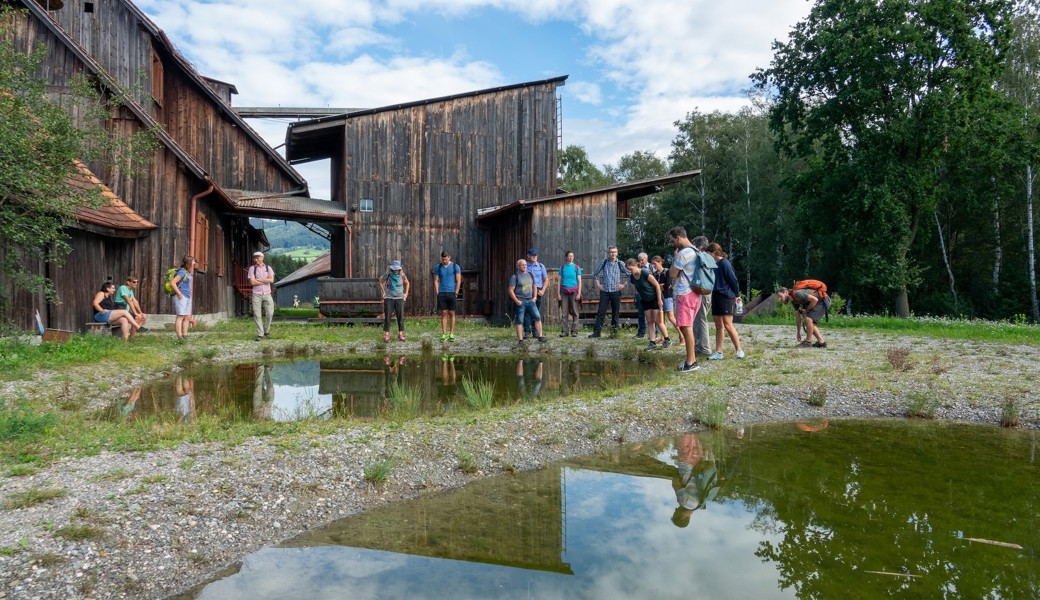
523,394
184,389
448,375
697,481
263,392
127,405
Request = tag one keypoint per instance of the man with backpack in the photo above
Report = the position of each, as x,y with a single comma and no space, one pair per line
693,277
261,277
611,277
811,302
522,291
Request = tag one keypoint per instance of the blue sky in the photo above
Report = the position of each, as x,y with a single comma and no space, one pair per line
634,66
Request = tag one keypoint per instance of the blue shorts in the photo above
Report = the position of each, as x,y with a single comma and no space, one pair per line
102,317
669,305
527,306
182,306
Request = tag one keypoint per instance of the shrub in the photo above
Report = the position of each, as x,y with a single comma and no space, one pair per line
816,396
921,405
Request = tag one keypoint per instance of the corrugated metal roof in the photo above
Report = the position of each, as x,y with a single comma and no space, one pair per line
319,266
286,205
114,213
624,191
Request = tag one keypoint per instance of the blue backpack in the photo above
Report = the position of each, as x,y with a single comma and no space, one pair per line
703,280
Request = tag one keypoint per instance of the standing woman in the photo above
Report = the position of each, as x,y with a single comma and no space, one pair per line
667,308
182,284
723,301
105,311
394,285
569,294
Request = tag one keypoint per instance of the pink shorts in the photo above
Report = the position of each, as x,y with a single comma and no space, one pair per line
686,307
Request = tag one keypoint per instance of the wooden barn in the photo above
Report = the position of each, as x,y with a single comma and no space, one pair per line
302,282
413,177
210,173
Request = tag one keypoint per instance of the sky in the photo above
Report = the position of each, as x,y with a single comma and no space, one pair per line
635,67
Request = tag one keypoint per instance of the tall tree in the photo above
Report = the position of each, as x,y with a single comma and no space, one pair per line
577,173
644,230
872,95
40,137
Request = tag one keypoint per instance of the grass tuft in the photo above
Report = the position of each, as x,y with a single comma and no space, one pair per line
404,402
817,395
899,358
1010,413
379,470
713,413
480,393
921,405
79,533
32,497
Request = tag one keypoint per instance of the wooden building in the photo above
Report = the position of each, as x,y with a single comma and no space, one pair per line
302,283
413,177
210,172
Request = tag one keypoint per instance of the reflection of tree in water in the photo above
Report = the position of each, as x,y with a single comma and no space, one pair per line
852,513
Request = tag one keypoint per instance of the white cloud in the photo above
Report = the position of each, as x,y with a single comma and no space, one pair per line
584,91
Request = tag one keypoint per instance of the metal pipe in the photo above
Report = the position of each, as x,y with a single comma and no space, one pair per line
191,234
350,248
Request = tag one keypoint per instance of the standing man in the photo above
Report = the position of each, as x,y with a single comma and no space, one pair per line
522,291
811,303
126,299
261,277
611,277
541,278
447,279
643,260
687,302
700,322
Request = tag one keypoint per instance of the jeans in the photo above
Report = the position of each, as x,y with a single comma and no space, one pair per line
641,314
528,308
614,299
528,320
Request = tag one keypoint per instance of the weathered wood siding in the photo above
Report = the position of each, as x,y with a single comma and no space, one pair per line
428,169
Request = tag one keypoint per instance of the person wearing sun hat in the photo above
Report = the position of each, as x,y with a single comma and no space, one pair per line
261,277
394,285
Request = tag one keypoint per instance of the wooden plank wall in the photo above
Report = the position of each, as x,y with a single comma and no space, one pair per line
429,168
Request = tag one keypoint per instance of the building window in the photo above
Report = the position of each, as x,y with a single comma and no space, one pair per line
201,242
157,79
366,205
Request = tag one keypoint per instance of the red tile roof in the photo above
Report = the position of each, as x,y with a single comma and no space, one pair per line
114,213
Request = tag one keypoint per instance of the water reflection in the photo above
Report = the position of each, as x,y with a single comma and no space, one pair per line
360,388
856,509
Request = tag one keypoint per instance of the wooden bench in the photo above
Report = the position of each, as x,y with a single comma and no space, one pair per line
93,328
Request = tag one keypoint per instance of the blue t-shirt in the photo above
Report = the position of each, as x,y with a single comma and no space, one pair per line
523,285
184,285
569,275
447,275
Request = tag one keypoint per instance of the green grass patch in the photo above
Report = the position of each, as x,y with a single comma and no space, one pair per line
80,532
32,497
379,470
921,405
480,393
713,413
937,327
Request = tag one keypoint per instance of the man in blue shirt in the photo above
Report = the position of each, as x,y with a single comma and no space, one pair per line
541,278
610,277
447,279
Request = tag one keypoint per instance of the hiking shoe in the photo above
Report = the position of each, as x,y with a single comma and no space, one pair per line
574,333
400,336
716,356
543,339
804,344
640,336
667,342
444,358
451,337
259,338
451,358
444,337
564,334
267,335
652,346
142,330
740,354
820,345
521,344
685,368
386,336
594,334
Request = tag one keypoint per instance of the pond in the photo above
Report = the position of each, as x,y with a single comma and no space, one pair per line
353,387
847,509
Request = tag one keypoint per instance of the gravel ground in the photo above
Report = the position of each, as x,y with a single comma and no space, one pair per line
168,519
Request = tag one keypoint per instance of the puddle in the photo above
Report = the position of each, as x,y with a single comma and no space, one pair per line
809,510
364,388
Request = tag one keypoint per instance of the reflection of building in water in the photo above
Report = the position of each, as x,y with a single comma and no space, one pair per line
511,521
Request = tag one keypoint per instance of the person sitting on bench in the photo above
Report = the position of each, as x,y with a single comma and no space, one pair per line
105,311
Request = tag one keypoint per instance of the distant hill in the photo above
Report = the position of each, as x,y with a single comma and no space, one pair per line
289,237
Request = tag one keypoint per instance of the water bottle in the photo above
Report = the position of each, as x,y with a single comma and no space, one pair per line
740,305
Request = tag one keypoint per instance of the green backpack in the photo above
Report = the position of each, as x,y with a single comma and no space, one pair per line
168,282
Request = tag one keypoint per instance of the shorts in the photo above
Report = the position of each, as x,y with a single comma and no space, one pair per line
669,305
446,301
182,306
529,307
649,304
819,311
686,307
102,317
723,306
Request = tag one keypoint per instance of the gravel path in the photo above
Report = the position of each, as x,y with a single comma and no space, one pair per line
169,519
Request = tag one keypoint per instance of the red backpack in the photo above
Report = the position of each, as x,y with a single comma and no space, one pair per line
812,284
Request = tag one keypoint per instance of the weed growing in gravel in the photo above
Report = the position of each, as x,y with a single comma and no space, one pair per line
597,428
8,551
23,423
404,402
480,393
117,474
22,471
629,353
816,396
379,469
713,413
899,358
590,351
32,497
153,479
1009,413
921,405
79,533
467,462
209,353
49,559
426,345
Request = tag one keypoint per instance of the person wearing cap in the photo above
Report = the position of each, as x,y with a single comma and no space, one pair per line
541,278
261,277
394,285
447,279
